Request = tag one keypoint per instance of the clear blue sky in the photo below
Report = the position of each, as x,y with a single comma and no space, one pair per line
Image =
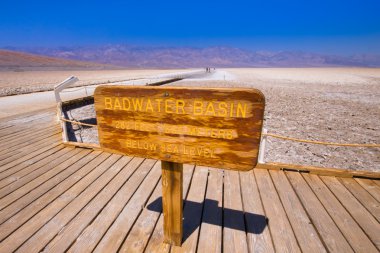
330,26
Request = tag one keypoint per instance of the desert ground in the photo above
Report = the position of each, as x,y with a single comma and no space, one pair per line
324,104
13,82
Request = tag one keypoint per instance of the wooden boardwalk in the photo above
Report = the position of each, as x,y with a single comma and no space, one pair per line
55,198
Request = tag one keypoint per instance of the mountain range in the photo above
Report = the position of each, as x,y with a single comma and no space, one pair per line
188,57
19,61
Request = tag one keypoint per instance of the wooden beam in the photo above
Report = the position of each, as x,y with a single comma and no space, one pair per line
172,202
319,170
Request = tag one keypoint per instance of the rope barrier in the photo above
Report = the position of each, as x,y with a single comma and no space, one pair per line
78,123
322,142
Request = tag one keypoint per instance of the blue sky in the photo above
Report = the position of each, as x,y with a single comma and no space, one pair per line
341,27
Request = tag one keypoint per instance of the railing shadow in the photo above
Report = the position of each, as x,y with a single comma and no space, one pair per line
213,214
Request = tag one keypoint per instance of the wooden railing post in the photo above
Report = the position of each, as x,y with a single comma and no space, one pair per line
172,202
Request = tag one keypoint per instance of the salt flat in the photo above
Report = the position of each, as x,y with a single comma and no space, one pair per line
325,104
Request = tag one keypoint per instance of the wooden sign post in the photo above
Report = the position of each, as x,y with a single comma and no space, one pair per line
216,127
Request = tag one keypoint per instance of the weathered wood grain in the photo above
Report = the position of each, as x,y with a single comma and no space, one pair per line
347,225
366,199
210,236
172,202
303,228
366,221
259,238
216,127
323,222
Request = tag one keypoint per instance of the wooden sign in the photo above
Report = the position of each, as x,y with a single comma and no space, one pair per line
216,127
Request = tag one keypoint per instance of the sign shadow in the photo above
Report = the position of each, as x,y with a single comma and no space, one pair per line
213,214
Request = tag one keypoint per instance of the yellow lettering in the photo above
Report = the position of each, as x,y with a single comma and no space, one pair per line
206,152
180,104
125,107
198,107
241,110
159,104
222,134
199,151
229,134
117,104
149,106
152,146
167,106
223,109
108,103
212,153
137,103
184,150
210,109
232,109
214,133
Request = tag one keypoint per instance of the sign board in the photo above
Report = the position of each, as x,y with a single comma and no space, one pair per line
216,127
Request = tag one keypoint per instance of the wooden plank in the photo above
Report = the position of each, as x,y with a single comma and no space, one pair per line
29,138
29,116
349,228
370,186
366,221
109,203
39,191
16,127
62,194
68,201
34,180
29,158
14,133
363,196
210,237
114,237
26,147
258,234
79,207
26,128
82,145
138,236
283,236
24,176
172,202
19,151
33,163
234,237
307,237
141,232
326,227
192,212
28,143
330,234
218,127
129,214
28,133
336,172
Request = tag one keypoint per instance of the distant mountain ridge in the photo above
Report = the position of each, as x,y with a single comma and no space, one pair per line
19,61
187,57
